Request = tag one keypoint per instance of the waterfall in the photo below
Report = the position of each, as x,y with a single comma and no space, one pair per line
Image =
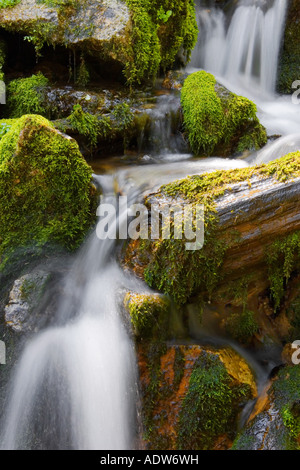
246,53
75,384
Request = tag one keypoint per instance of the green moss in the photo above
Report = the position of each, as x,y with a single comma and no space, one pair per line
210,407
27,95
8,3
92,126
5,126
83,77
215,118
160,29
148,313
45,192
283,257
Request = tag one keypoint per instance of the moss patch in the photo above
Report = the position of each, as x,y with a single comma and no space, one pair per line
160,29
216,119
27,96
209,408
45,192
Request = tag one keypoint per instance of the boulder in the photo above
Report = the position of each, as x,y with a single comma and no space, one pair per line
275,421
216,121
251,232
46,192
192,396
24,298
134,36
98,26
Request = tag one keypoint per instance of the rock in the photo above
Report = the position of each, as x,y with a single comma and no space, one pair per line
275,421
148,314
46,194
251,228
289,68
192,396
218,122
132,36
96,26
24,297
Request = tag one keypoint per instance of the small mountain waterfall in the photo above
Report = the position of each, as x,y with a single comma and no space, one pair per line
241,48
75,384
246,53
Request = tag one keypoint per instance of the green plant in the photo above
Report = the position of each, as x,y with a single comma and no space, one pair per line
83,77
162,15
89,125
160,29
283,257
242,326
148,314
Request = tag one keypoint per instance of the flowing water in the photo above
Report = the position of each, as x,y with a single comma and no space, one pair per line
74,386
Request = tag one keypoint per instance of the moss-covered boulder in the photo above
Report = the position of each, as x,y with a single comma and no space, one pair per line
275,421
289,65
192,396
46,193
136,36
217,121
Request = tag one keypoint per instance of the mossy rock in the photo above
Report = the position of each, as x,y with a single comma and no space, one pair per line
137,37
275,422
167,266
217,121
148,314
192,396
46,194
289,64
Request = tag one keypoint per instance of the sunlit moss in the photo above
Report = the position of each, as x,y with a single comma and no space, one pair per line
214,118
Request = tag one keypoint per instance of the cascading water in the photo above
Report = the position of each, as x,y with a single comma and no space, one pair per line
242,51
75,385
247,53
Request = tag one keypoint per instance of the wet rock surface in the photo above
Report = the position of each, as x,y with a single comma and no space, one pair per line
24,297
93,25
